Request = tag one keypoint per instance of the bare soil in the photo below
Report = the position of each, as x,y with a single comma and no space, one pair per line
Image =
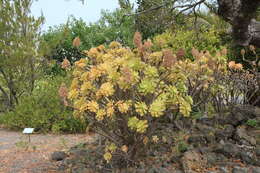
18,155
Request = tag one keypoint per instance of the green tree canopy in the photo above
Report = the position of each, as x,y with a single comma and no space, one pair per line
20,50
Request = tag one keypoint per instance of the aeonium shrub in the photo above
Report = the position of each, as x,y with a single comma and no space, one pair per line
241,83
204,75
124,93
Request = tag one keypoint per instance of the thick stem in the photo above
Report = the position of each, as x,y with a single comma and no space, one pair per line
241,15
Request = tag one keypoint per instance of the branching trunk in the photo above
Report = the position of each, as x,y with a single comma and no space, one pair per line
6,97
241,15
12,96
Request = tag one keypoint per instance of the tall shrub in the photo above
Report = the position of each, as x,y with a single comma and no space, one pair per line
125,93
19,49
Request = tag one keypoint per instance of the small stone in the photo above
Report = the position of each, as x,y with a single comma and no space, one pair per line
236,118
228,149
229,130
192,159
69,161
245,111
225,134
206,121
240,170
175,159
246,157
197,139
211,158
222,142
241,134
210,138
79,152
58,156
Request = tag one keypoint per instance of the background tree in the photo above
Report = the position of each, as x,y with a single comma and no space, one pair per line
20,50
125,4
241,14
111,26
155,21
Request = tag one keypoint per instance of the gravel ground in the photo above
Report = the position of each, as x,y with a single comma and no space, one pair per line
17,155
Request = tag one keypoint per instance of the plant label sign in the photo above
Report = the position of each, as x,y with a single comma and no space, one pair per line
28,130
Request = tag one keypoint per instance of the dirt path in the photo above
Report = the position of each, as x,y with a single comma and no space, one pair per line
19,156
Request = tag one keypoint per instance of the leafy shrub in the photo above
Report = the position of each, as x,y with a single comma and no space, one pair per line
182,40
214,83
239,85
252,123
182,147
43,110
203,75
124,94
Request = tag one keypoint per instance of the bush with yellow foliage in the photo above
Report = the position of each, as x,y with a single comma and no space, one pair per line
204,75
124,93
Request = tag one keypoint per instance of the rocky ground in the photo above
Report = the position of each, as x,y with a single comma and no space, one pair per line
222,144
19,156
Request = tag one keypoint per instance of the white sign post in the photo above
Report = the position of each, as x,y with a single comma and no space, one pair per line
28,131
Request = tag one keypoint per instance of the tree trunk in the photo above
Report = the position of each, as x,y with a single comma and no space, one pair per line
241,15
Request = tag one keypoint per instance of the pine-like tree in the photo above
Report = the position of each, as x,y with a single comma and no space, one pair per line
154,21
19,50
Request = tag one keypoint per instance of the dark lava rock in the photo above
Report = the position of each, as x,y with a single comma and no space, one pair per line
79,152
197,139
242,137
175,159
226,133
227,149
236,118
205,129
240,114
58,156
247,157
229,131
69,161
207,121
248,111
204,150
240,170
210,138
213,158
